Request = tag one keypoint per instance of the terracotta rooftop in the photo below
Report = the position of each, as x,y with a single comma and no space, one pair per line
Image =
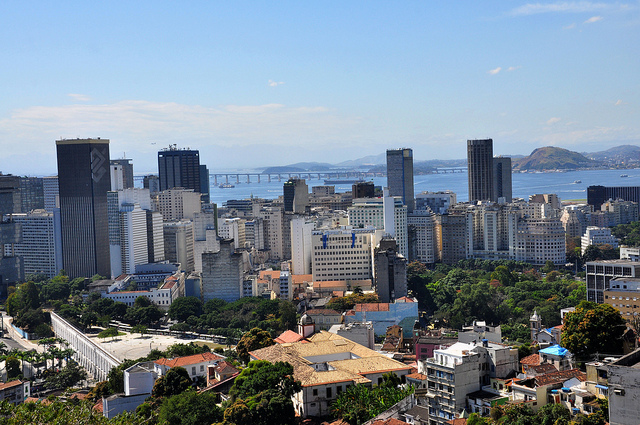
558,377
390,421
405,300
417,376
189,360
372,307
270,274
301,278
531,360
10,384
288,336
543,368
458,421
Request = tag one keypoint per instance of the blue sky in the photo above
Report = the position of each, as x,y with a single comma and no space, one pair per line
271,83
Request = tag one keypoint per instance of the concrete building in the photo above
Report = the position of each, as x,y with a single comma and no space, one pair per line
539,241
155,237
178,244
390,271
421,238
598,195
620,212
452,242
178,204
41,242
222,273
326,366
15,392
624,295
232,228
126,166
344,254
179,168
196,365
51,193
31,194
128,238
597,236
363,190
360,333
296,196
151,182
205,236
546,198
163,296
10,199
386,213
273,227
83,176
600,273
301,245
454,372
623,376
400,175
438,202
573,222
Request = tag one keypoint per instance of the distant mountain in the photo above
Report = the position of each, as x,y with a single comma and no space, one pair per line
623,153
364,162
300,167
553,158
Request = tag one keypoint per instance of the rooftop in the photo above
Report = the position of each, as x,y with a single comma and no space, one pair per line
189,360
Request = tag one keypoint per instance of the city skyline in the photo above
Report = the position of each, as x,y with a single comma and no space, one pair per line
313,79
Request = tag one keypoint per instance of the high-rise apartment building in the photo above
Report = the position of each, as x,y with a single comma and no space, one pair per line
222,273
152,183
126,166
51,193
31,193
178,244
204,184
390,271
178,204
84,180
480,169
400,175
40,246
438,202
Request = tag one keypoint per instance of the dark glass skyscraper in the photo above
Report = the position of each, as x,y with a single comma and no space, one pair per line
84,180
480,167
400,175
179,168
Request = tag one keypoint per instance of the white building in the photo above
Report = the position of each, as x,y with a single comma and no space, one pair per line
178,203
344,254
421,234
41,243
178,244
597,236
540,241
162,297
301,251
371,212
232,228
204,236
196,365
272,218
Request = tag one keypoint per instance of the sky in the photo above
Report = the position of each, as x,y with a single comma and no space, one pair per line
264,83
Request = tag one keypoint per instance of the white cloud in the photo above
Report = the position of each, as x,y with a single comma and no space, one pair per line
593,19
562,7
79,97
495,71
275,83
513,68
570,26
553,120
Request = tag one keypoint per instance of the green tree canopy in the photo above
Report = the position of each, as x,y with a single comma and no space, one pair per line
261,375
253,340
184,307
593,328
191,408
174,382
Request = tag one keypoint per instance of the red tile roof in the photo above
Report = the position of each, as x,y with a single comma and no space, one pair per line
558,377
288,336
390,421
188,360
372,307
418,376
10,384
405,300
531,360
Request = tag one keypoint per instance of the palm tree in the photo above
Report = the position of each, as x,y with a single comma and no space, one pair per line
3,348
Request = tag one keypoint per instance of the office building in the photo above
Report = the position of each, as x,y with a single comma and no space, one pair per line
421,239
40,246
390,271
343,254
51,193
222,273
84,180
438,202
10,200
155,237
152,183
232,228
598,195
31,194
179,168
205,236
480,169
178,204
400,175
363,190
600,273
204,184
126,167
296,196
301,229
178,244
501,179
452,242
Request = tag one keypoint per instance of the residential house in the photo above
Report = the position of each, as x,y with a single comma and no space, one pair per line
196,365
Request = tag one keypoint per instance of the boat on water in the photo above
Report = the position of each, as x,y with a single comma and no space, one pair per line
577,181
624,175
226,186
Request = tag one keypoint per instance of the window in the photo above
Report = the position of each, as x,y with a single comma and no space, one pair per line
329,392
315,391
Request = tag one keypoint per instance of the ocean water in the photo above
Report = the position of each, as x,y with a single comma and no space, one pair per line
524,184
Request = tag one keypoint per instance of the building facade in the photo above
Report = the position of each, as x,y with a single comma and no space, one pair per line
84,180
400,175
179,168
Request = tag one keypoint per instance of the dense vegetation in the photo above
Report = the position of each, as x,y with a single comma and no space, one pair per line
498,292
629,234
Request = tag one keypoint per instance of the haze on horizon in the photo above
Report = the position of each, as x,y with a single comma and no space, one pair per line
262,84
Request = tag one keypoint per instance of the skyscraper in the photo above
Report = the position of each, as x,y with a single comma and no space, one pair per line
296,195
127,171
84,180
179,168
480,167
502,178
400,175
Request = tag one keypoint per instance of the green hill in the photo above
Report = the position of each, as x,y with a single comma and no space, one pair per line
553,158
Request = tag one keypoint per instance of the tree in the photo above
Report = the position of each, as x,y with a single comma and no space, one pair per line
181,350
12,364
255,339
68,376
554,414
184,307
261,375
265,408
140,329
360,403
593,328
174,382
190,408
109,332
